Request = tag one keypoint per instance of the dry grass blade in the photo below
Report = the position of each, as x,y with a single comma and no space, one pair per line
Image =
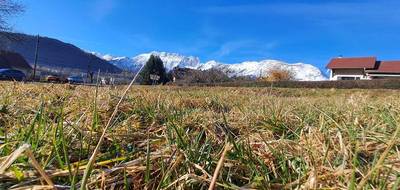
202,170
42,187
10,159
26,148
35,187
221,161
35,164
280,140
110,121
381,159
186,177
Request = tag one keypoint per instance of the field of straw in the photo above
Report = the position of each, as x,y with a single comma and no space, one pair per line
167,137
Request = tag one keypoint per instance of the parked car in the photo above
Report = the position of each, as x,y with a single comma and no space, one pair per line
75,80
12,74
53,78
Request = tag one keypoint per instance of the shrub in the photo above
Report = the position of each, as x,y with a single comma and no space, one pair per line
191,76
279,74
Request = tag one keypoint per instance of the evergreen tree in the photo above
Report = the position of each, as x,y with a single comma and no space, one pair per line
154,66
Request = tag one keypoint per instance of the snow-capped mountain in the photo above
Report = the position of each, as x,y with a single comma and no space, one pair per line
125,63
171,60
301,71
210,65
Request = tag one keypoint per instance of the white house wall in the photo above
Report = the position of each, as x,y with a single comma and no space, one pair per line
336,74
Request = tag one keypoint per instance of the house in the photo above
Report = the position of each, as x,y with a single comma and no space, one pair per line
362,68
10,60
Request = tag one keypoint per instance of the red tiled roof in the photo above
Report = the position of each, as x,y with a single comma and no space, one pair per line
388,67
352,63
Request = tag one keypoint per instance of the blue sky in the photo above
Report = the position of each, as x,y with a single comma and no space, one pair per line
229,31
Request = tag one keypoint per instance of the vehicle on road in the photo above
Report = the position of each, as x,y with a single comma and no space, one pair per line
12,74
75,80
53,79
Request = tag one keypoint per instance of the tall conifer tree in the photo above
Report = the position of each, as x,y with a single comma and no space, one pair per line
154,66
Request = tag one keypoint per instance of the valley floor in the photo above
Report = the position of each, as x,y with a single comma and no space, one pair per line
173,137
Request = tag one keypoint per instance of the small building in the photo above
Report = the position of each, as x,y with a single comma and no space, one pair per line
11,60
363,68
385,70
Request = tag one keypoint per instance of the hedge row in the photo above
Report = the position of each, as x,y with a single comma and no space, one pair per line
362,84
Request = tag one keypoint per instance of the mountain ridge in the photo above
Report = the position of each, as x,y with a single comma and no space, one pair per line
301,71
54,54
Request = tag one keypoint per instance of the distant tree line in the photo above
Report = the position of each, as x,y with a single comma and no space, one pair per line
185,75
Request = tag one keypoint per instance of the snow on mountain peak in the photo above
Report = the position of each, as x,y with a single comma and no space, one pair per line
171,60
208,65
301,71
108,57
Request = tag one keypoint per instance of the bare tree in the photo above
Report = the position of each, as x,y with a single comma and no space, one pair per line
186,76
8,9
279,74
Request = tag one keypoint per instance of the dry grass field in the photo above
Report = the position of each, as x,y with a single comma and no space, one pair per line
169,137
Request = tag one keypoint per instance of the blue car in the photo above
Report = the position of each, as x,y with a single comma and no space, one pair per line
12,74
75,80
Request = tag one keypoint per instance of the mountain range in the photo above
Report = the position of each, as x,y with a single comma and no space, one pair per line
58,55
301,71
54,54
